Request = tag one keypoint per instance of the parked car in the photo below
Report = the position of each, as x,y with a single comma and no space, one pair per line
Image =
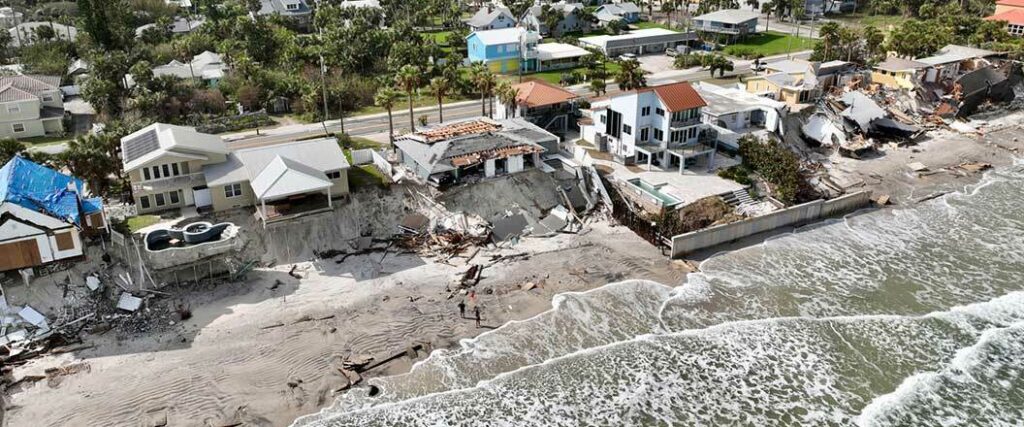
627,57
671,52
758,66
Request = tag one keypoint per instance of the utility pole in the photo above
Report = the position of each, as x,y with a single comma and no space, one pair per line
323,71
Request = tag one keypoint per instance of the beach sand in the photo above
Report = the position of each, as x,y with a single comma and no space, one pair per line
261,354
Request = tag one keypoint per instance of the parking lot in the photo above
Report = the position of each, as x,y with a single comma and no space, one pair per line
656,63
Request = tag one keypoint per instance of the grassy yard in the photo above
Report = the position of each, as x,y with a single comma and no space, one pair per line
39,141
555,76
364,175
861,20
643,25
136,223
768,44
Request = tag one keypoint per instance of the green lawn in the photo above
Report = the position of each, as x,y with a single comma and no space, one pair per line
768,44
882,22
555,76
40,141
364,175
440,37
643,25
136,223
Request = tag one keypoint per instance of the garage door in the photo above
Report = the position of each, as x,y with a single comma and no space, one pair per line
19,255
202,197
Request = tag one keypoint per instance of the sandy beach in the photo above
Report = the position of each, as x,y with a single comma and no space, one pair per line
260,354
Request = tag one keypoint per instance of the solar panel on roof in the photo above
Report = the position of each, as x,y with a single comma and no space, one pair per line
141,145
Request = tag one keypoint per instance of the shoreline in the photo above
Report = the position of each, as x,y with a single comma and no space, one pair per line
267,356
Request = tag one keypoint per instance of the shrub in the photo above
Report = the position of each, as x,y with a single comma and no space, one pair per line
776,164
745,52
740,174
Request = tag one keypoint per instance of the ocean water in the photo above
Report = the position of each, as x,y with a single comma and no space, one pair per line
900,317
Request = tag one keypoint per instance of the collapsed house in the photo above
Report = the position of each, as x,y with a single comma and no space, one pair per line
735,113
43,215
474,148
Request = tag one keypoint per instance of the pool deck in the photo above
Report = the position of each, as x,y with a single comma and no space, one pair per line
688,186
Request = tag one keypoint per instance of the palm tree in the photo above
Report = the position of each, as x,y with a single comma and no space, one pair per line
630,76
385,98
408,78
719,63
598,86
484,80
507,94
829,35
766,9
440,86
873,39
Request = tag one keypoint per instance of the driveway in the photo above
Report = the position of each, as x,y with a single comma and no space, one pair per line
656,63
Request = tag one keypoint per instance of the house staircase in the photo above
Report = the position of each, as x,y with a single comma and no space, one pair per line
738,198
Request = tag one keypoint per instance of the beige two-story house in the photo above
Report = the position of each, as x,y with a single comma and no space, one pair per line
175,166
30,105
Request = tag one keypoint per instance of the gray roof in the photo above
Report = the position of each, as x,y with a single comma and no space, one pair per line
483,17
639,37
154,141
953,53
436,157
729,16
789,66
26,87
893,63
246,164
182,25
270,7
25,33
619,8
861,109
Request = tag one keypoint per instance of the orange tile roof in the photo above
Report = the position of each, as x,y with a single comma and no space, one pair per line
1010,16
538,93
677,96
1014,3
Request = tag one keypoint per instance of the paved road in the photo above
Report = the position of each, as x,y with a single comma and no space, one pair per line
378,123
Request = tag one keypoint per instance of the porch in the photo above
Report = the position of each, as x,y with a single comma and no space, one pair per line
293,207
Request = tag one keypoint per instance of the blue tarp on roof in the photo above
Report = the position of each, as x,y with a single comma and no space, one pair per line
42,189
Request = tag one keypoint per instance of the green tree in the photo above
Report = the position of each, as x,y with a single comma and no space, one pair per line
507,95
408,78
440,86
598,86
9,148
106,23
873,40
483,79
385,98
630,76
829,35
550,17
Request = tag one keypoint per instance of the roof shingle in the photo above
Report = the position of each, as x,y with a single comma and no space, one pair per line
677,96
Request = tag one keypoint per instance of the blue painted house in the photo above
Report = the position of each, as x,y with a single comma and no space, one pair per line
504,50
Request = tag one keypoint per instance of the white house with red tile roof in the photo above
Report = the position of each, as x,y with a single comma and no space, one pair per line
1011,12
658,126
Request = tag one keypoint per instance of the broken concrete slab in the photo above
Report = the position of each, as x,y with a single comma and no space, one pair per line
414,223
92,282
917,166
508,227
34,317
129,302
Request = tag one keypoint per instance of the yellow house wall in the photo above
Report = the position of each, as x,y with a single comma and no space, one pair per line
221,202
899,81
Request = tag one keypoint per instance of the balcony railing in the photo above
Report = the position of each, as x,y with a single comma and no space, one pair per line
684,123
172,183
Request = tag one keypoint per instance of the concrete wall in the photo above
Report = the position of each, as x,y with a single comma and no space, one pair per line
702,239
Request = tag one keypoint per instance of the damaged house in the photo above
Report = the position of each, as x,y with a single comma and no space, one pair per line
43,215
734,113
474,148
791,81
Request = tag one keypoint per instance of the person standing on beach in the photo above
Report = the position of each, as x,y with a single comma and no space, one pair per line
476,310
462,309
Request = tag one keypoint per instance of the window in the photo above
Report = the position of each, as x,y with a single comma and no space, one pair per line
159,197
156,172
232,190
145,174
626,129
645,134
167,170
659,112
174,169
334,175
292,6
174,197
144,202
13,109
18,127
693,132
65,241
645,111
676,136
47,98
603,119
659,135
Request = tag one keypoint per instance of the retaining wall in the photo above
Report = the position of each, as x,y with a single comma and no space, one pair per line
702,239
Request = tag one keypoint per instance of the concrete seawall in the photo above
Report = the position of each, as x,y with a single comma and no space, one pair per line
684,244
